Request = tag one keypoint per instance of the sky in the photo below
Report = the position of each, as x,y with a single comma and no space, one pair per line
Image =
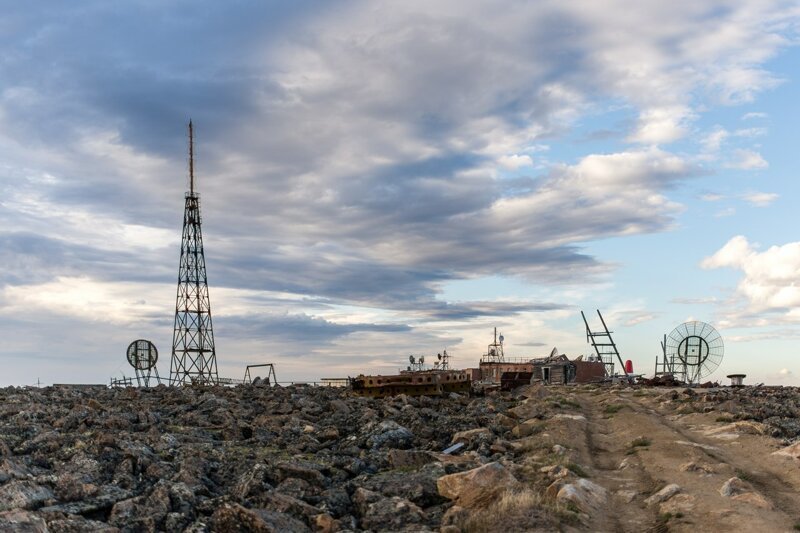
380,179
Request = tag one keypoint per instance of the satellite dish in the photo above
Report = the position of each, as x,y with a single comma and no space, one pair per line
439,356
696,348
411,359
421,359
502,339
554,352
142,354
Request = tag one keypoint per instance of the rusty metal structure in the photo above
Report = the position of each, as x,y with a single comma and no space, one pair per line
604,346
121,382
270,379
512,380
414,383
494,352
194,356
142,355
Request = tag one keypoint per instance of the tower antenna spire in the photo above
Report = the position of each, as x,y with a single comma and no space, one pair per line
194,356
191,158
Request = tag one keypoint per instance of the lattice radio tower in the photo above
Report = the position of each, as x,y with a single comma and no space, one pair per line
194,359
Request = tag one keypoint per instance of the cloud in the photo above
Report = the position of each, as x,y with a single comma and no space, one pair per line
694,301
748,160
754,115
639,318
348,157
760,199
712,197
771,279
515,162
750,132
713,141
531,344
785,372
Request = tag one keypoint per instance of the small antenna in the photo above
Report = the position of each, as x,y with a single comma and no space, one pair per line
191,158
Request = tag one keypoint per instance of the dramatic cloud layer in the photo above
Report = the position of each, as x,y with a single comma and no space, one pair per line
771,279
355,158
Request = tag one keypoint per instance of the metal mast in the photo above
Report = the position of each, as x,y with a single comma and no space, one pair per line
194,358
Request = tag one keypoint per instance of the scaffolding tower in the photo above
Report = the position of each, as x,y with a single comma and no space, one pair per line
194,357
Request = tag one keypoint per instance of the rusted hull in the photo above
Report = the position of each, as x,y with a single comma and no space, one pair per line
426,383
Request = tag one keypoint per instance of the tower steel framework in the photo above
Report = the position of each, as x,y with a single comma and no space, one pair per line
194,357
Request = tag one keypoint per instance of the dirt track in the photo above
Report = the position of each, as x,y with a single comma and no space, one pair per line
636,444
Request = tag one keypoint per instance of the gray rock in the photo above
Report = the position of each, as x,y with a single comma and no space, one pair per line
390,434
23,495
234,517
664,494
392,514
105,500
22,522
734,486
585,494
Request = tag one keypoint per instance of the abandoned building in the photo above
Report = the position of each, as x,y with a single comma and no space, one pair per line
554,369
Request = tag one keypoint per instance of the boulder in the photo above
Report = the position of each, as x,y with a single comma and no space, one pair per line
234,517
733,487
504,421
477,487
792,451
13,469
527,428
410,458
23,495
584,494
386,514
325,523
680,503
306,472
390,434
556,472
22,521
479,434
664,494
753,498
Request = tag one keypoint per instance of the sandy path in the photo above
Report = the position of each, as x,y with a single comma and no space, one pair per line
696,453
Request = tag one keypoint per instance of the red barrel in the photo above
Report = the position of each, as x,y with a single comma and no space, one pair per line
629,367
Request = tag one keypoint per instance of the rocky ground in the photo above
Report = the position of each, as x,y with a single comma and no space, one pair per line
299,458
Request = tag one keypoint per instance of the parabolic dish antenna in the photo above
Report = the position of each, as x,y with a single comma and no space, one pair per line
142,354
696,348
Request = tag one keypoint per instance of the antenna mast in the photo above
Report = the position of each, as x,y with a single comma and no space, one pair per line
191,158
194,356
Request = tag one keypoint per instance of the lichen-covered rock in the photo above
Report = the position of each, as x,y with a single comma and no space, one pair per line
233,517
387,514
22,521
390,434
477,487
23,495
